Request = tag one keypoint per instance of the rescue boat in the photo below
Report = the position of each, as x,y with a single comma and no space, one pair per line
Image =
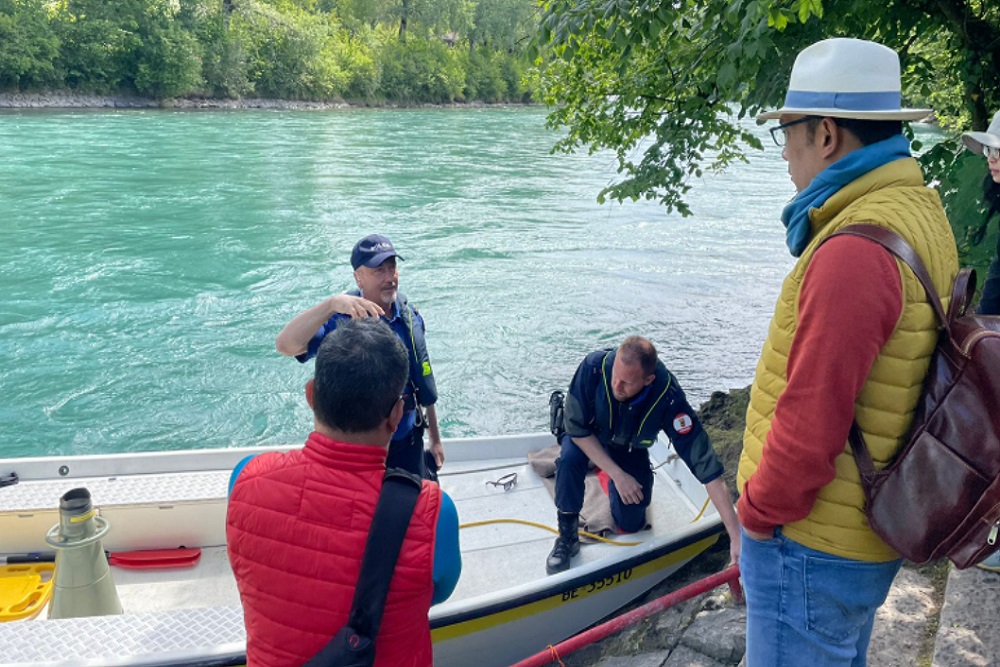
504,608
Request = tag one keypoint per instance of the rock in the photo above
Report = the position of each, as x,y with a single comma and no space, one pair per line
969,633
644,660
902,623
669,625
724,417
685,657
719,633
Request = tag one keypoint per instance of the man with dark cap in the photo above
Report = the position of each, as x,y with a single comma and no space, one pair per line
377,278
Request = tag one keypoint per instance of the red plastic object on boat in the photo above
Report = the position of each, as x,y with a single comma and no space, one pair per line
155,559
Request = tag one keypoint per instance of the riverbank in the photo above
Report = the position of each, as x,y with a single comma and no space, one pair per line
934,615
63,100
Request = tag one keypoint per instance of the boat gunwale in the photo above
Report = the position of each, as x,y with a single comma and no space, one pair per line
475,608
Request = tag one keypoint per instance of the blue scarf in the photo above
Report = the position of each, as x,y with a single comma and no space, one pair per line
826,184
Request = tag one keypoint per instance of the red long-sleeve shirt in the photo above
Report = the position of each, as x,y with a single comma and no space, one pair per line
850,302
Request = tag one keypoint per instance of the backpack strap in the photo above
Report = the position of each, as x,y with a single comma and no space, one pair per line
396,501
898,246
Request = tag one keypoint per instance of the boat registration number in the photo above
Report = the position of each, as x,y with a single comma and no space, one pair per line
598,585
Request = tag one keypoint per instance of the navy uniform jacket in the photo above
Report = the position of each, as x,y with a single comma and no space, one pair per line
408,325
591,409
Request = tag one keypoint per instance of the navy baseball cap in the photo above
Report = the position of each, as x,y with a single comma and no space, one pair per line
371,251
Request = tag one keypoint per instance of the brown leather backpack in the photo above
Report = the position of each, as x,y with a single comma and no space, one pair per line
940,495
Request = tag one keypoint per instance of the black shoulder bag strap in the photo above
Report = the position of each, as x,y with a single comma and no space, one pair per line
354,644
898,246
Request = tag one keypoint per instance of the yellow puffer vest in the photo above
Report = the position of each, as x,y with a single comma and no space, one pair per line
895,197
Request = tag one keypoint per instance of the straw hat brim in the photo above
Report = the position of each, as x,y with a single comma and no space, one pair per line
975,141
892,114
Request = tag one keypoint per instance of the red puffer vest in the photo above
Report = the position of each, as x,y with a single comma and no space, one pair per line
296,529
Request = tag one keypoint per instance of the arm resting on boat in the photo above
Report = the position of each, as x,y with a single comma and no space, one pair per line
447,556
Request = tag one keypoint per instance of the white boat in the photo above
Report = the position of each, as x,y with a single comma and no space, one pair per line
504,608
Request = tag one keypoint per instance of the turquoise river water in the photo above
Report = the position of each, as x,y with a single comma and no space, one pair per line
148,259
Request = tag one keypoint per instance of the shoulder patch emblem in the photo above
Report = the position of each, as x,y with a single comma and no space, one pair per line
683,423
426,368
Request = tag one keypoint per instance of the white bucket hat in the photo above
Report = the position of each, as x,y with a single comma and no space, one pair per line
975,141
846,78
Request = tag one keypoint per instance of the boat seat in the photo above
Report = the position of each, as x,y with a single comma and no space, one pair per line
200,635
175,487
159,511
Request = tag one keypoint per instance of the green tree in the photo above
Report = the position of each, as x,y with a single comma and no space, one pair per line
504,24
28,45
667,83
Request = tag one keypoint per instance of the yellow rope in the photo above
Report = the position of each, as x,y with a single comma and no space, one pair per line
703,508
592,536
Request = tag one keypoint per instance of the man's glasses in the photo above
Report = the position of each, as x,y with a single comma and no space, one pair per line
991,153
402,397
778,133
507,482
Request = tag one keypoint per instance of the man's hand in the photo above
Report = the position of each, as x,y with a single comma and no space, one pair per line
437,450
629,490
354,306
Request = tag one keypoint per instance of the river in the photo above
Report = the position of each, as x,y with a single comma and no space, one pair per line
148,259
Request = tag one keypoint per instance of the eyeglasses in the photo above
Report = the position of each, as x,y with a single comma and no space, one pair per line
507,482
991,153
402,397
778,133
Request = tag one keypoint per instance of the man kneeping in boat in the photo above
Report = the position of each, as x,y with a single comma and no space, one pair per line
297,521
616,406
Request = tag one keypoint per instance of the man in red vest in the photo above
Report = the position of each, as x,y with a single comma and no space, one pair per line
298,521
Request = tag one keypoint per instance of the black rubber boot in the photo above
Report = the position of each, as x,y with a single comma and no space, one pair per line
567,544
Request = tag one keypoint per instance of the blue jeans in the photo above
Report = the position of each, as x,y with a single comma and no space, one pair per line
806,607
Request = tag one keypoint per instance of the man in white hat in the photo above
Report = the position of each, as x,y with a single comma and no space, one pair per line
851,338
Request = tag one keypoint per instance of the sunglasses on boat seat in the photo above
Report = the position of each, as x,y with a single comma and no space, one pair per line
507,482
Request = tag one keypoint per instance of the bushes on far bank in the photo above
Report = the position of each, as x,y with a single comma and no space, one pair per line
282,49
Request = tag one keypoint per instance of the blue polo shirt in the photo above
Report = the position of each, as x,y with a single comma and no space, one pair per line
398,326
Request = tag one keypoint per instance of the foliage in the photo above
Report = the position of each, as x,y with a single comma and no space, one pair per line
484,78
422,69
666,83
169,63
28,45
961,190
292,49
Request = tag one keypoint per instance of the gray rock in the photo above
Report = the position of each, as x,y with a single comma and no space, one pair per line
902,622
644,660
718,633
969,634
685,657
667,627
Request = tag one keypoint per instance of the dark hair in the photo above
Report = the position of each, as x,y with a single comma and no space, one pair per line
638,350
361,369
868,132
991,196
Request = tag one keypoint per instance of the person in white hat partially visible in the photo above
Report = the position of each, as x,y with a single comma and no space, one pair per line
988,144
851,338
